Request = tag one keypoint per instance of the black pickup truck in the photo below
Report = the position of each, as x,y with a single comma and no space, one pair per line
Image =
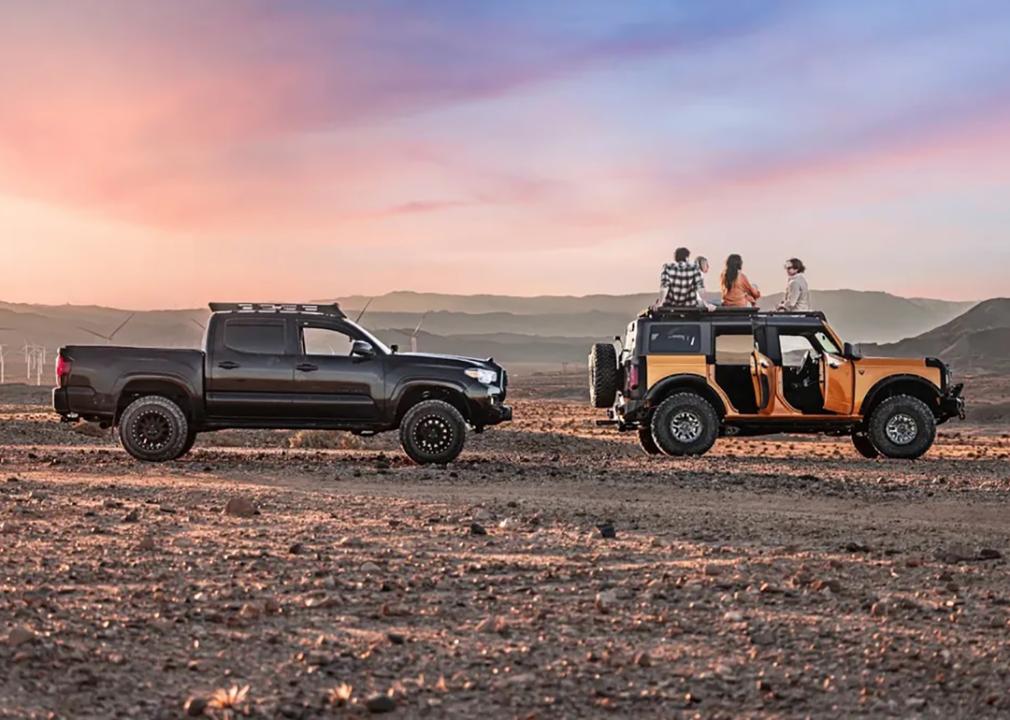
268,365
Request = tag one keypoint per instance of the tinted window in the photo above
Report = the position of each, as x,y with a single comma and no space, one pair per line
675,339
251,337
325,341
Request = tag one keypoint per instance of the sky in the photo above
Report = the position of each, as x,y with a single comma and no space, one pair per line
160,154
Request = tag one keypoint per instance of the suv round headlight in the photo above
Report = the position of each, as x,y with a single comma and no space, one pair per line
485,377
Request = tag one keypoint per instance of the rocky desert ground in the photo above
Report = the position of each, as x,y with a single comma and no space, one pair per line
554,571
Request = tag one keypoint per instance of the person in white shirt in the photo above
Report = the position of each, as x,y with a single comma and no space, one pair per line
797,296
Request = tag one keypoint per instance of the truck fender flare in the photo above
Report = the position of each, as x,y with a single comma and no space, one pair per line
688,381
165,378
405,386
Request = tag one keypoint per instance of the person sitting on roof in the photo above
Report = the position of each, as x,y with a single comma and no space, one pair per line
682,284
797,297
737,290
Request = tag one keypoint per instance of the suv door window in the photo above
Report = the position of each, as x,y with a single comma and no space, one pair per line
826,343
258,338
794,349
733,350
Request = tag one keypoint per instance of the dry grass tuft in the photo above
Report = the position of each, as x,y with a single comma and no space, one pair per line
325,440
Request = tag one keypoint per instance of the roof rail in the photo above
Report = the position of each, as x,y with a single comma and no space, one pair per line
332,309
699,313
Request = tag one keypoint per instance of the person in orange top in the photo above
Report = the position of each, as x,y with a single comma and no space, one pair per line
736,288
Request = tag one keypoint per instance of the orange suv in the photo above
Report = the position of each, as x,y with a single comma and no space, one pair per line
683,378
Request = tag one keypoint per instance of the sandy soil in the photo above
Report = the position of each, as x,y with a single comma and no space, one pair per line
784,577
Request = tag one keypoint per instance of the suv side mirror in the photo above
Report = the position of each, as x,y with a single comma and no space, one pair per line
394,348
362,349
851,353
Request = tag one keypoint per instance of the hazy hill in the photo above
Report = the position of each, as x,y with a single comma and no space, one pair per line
977,341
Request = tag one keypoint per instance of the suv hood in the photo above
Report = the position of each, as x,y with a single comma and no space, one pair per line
454,360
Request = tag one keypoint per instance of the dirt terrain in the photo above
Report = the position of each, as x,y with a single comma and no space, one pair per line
785,577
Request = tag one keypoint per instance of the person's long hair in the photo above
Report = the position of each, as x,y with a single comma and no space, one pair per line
734,263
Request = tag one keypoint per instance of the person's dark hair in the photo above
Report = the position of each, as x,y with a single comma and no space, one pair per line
733,265
797,264
681,254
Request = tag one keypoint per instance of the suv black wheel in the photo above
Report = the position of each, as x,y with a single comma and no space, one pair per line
433,431
603,375
864,446
646,440
902,427
685,424
153,429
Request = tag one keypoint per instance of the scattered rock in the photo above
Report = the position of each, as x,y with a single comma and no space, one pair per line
146,544
733,616
477,529
607,530
132,516
989,554
296,549
855,547
240,507
955,554
380,704
370,567
396,638
606,600
21,635
195,707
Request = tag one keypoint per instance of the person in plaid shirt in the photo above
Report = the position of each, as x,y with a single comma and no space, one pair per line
682,284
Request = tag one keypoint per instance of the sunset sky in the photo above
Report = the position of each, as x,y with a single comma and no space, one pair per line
157,154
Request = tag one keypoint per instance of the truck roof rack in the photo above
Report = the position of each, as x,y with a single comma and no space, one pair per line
331,309
723,313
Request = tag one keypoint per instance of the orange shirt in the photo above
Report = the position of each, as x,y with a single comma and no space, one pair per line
742,294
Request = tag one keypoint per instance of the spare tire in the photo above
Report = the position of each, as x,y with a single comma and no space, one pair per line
603,375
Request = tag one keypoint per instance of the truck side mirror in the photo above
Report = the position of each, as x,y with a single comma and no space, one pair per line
395,348
362,349
851,353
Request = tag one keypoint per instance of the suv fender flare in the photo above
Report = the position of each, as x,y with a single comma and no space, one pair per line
403,387
685,381
879,391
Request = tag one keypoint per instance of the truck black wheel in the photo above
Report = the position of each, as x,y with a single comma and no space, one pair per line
603,375
646,440
685,424
902,427
433,431
864,446
153,429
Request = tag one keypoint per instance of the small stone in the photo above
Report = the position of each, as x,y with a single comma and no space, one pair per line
606,600
607,530
855,547
370,567
380,704
477,529
643,660
146,544
296,549
13,479
396,638
195,707
240,507
20,635
132,516
989,554
508,523
733,616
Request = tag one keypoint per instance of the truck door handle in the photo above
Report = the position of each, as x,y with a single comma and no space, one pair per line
228,365
307,367
834,363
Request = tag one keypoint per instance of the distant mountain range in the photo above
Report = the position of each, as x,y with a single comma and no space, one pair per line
522,331
976,342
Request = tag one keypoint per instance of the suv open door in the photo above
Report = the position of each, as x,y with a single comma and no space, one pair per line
837,379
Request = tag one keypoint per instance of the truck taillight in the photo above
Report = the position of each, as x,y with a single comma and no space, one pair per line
633,377
63,367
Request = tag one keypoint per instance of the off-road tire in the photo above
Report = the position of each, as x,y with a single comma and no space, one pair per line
902,427
188,445
647,442
864,446
153,429
690,411
433,431
603,375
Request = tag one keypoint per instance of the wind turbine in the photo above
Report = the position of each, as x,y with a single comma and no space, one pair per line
3,368
413,335
360,314
110,336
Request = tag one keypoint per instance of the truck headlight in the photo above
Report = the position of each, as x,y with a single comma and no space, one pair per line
485,377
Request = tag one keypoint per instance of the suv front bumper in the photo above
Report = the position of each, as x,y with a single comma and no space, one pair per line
952,403
488,410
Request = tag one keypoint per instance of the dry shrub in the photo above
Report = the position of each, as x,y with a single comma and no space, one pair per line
325,440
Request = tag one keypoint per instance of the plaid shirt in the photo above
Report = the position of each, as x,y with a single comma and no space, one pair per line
680,284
